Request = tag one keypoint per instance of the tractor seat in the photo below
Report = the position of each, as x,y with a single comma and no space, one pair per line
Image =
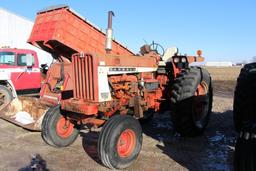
168,54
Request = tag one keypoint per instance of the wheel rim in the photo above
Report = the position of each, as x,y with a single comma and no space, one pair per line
4,100
64,127
126,143
201,104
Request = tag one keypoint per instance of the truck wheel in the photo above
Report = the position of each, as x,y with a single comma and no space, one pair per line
120,142
5,96
191,101
245,152
244,98
57,130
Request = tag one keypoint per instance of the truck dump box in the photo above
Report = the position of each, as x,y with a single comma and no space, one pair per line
61,31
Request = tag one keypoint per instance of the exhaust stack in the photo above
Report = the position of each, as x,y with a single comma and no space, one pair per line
109,32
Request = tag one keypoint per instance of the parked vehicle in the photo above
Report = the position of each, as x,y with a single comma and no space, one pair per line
105,85
23,67
245,119
20,73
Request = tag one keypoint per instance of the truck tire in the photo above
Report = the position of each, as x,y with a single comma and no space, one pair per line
58,131
5,96
244,98
191,101
245,151
120,142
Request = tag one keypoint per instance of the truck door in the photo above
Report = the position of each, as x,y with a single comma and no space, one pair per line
27,77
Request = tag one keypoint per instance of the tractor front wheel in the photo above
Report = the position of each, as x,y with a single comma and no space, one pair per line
57,130
120,142
191,99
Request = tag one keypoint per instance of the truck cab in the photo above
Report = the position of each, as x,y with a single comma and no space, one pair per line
22,66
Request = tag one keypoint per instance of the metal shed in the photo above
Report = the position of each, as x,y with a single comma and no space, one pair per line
15,31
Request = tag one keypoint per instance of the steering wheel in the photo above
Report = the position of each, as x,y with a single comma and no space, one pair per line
157,48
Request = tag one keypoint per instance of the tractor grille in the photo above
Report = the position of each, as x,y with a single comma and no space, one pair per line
83,77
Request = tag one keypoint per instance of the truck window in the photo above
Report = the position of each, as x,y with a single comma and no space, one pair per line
7,58
22,59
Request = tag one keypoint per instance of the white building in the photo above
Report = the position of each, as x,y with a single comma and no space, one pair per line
14,33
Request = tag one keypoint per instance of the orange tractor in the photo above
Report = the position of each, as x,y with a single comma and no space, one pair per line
112,91
106,86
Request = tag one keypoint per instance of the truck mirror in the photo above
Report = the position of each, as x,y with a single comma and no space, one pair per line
29,60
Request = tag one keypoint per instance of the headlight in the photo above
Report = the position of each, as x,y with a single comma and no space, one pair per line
183,60
176,60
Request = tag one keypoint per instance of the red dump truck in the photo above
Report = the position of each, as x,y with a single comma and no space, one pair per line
62,32
20,73
24,76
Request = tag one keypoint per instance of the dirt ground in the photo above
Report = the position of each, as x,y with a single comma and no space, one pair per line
163,149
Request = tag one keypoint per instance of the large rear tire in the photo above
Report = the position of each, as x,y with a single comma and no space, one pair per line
5,96
120,142
191,101
58,131
245,97
245,151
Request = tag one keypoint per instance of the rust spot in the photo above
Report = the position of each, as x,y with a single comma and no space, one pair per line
117,61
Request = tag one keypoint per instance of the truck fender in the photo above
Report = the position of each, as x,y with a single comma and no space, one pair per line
8,83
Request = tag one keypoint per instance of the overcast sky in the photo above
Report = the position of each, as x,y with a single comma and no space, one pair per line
224,29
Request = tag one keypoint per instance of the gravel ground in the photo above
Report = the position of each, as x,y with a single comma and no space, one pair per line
163,149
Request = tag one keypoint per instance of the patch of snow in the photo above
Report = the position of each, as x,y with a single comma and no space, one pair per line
219,151
216,138
23,117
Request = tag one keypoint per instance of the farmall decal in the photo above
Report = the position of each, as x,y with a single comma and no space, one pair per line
122,69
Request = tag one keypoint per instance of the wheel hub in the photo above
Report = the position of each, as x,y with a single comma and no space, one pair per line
202,89
126,143
201,104
64,127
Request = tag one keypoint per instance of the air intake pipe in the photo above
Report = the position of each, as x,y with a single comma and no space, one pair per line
109,32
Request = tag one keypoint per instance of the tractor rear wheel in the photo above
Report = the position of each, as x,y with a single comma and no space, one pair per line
191,101
57,130
120,142
245,150
5,96
245,97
